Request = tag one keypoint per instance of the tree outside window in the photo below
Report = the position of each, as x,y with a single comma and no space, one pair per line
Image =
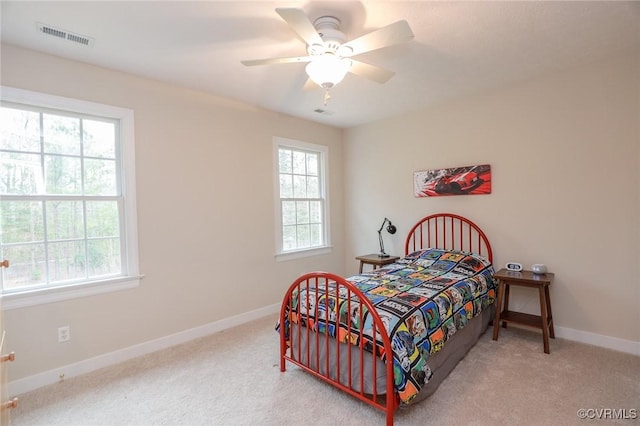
60,197
301,172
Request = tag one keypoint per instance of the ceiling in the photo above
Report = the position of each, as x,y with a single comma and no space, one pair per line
459,49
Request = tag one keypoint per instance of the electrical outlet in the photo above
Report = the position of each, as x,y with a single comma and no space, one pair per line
64,334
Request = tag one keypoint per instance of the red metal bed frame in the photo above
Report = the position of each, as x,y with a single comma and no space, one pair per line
441,230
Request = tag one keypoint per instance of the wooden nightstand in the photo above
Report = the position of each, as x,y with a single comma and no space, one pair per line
375,260
525,279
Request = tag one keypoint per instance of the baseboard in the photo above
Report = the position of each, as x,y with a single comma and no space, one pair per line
617,344
36,381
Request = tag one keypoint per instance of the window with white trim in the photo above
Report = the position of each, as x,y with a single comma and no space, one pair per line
302,202
67,198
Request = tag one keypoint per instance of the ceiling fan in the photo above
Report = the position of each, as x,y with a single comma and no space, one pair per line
330,55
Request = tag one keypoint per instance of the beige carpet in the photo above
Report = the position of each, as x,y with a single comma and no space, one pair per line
232,378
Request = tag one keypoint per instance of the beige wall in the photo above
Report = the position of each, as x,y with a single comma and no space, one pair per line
205,214
565,157
564,151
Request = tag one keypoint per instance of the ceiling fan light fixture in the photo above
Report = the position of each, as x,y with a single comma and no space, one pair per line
328,70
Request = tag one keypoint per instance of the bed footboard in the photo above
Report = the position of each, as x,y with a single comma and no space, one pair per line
321,311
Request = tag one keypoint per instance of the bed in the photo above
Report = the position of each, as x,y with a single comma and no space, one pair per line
389,337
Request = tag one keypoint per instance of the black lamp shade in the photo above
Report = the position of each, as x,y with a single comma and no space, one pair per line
390,229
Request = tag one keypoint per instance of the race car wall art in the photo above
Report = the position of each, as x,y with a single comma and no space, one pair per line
453,181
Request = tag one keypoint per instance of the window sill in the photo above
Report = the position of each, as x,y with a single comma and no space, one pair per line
291,255
74,291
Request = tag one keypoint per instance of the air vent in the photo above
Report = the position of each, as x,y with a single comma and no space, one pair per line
65,35
322,111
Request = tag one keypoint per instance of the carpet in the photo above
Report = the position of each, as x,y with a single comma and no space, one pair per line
233,378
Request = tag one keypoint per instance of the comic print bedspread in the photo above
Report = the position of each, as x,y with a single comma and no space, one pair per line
422,299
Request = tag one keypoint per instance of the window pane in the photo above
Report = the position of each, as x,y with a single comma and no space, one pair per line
302,212
304,237
286,186
100,177
316,234
288,212
21,222
99,139
299,160
299,187
65,220
312,164
284,158
27,266
104,257
20,174
315,212
61,135
289,237
19,130
66,261
102,219
63,175
313,187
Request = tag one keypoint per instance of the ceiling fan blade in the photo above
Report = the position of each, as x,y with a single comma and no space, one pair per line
272,61
301,24
372,72
396,33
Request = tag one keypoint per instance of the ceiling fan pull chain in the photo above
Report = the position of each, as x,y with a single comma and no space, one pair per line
327,96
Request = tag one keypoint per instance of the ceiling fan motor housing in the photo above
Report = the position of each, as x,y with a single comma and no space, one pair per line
329,29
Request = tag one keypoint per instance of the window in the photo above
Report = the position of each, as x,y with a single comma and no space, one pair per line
301,208
67,198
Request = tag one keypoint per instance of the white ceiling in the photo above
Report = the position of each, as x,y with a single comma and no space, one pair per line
460,48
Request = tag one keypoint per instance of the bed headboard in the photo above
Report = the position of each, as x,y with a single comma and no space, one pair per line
448,231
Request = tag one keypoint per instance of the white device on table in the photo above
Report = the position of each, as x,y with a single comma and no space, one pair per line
514,266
